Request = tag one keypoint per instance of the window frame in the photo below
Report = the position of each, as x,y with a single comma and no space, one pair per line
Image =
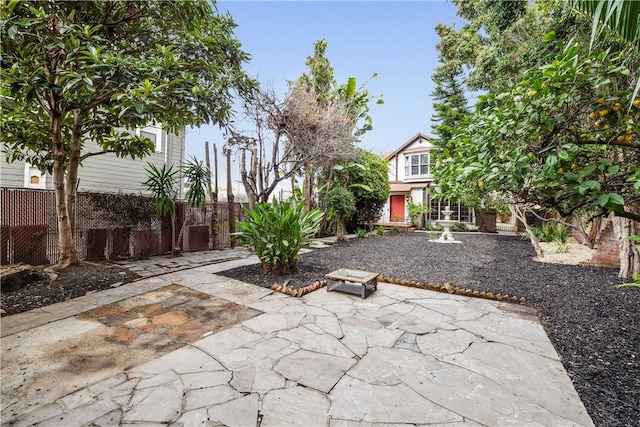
42,177
153,130
418,164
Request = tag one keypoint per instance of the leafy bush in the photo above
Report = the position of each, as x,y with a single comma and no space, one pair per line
395,229
459,226
380,230
277,231
361,233
560,234
545,232
341,204
415,212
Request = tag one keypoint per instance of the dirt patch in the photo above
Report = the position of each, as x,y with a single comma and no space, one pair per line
105,341
72,282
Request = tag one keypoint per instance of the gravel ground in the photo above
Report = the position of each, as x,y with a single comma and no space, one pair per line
593,326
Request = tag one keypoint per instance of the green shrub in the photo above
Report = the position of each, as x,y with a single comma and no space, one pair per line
459,226
380,230
362,233
560,234
415,211
277,231
395,229
341,205
545,232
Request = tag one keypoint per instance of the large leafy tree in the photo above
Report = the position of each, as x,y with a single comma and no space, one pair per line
561,138
74,71
369,185
551,131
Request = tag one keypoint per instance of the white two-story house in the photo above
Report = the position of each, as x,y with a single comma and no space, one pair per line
412,180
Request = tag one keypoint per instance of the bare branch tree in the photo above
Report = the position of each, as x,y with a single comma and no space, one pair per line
289,136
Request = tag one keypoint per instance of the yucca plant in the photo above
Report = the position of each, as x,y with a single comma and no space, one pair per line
277,231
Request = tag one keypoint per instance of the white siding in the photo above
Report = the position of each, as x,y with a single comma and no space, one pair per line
13,174
106,172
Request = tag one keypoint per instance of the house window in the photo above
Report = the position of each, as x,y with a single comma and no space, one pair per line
417,164
154,133
33,178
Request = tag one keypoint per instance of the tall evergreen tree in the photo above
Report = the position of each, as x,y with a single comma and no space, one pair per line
450,104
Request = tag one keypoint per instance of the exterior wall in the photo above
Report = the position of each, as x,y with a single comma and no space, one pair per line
415,191
413,187
107,172
421,146
13,175
607,248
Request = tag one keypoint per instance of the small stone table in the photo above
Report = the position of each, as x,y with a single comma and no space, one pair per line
357,282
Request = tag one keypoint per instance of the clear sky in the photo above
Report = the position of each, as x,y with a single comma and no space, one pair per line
395,39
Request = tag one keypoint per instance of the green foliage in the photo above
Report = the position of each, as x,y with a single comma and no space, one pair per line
340,202
560,234
551,232
395,229
380,230
459,226
198,176
277,231
450,103
341,205
415,210
162,183
362,233
634,284
369,185
74,71
559,137
620,16
545,232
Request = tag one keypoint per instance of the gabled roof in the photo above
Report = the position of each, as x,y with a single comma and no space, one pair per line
408,143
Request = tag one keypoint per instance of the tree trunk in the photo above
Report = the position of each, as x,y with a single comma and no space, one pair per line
629,255
232,220
308,188
213,194
174,251
520,215
244,176
66,245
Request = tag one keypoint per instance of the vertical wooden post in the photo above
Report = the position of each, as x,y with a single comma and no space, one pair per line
232,219
213,194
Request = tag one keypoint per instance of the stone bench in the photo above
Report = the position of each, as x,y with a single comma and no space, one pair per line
356,282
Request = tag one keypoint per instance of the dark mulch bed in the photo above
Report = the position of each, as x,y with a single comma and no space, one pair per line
71,282
594,327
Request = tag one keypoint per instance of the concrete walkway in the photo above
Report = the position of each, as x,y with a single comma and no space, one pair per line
402,356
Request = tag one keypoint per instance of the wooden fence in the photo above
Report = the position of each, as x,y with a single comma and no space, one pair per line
109,226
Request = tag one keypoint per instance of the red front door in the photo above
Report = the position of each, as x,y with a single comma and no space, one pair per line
397,208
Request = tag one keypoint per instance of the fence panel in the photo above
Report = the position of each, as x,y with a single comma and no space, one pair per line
28,229
109,226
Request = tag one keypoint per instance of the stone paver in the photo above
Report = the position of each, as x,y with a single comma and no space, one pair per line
401,357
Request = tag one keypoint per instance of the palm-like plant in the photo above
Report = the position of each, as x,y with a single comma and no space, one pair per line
161,182
163,185
621,16
277,231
